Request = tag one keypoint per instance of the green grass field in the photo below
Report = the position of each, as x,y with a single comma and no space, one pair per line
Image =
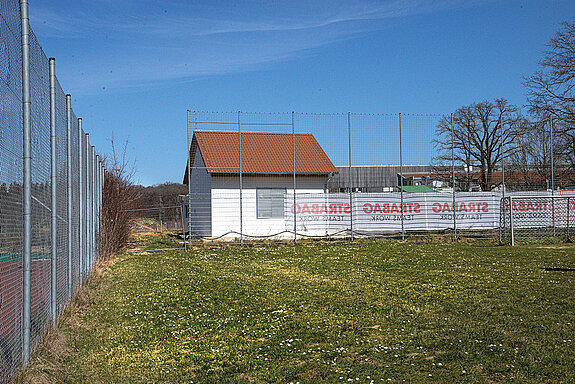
366,312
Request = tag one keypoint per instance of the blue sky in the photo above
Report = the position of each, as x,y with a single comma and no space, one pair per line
134,67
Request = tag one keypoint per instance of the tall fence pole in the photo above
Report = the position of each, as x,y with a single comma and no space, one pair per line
401,176
568,223
93,206
69,188
54,192
90,203
27,179
511,220
88,207
102,173
81,213
453,175
97,207
102,180
349,176
552,172
87,202
502,156
294,179
189,150
552,157
241,181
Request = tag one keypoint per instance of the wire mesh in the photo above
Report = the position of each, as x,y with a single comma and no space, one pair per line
375,189
536,219
41,190
11,195
75,144
11,191
62,199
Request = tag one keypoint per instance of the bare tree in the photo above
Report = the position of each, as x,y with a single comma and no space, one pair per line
550,90
120,195
481,138
530,162
550,96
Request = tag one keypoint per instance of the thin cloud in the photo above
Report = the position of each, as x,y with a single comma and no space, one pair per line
151,47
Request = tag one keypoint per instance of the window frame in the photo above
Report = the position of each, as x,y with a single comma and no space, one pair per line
270,199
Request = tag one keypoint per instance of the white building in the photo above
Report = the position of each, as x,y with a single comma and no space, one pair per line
265,171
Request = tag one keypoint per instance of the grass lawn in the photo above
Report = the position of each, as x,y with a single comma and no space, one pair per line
372,311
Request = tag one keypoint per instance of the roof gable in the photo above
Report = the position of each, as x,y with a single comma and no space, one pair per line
262,153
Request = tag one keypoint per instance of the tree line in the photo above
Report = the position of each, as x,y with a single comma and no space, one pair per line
486,138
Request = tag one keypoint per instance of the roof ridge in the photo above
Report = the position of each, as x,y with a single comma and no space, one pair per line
258,133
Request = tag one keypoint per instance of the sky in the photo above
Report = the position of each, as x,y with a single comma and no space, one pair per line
134,68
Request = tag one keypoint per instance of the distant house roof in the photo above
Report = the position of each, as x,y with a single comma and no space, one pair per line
262,153
416,189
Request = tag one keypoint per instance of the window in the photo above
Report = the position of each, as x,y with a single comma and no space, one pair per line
270,203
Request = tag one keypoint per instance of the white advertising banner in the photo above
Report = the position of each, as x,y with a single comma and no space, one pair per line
330,214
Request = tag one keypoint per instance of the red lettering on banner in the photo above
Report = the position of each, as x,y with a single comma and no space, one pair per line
323,208
347,208
522,206
377,209
367,208
416,208
484,207
296,210
305,209
315,208
332,208
436,207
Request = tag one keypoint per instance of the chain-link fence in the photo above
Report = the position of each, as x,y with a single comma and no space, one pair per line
536,219
50,192
157,219
298,175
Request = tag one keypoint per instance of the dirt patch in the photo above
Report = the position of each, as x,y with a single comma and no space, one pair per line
566,246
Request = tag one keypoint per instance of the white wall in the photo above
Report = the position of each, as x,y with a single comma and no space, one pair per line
226,203
201,183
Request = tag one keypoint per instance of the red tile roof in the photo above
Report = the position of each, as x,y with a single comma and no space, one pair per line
262,153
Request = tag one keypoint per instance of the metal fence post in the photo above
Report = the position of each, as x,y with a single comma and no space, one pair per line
101,172
294,180
90,209
97,206
189,185
568,209
69,188
27,179
54,191
552,157
511,220
349,176
502,156
453,176
241,181
81,140
552,174
401,176
88,215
